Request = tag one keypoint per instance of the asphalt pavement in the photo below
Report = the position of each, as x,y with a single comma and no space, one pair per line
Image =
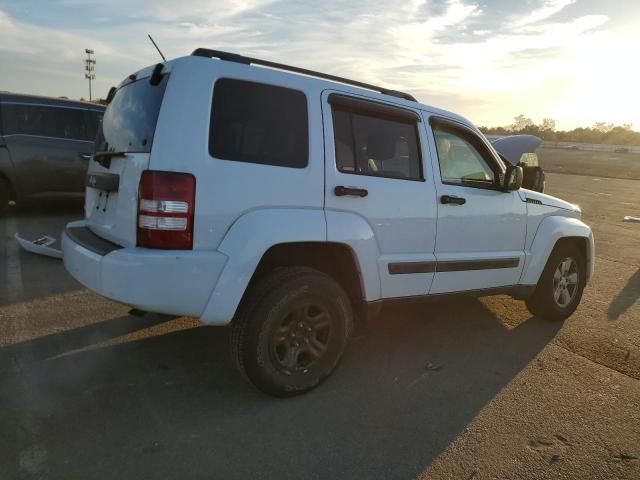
467,389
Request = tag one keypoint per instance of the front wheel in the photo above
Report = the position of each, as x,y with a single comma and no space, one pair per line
561,284
291,330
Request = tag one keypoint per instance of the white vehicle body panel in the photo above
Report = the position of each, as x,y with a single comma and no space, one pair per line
490,226
225,189
162,281
400,213
540,206
353,230
245,244
114,217
551,229
244,209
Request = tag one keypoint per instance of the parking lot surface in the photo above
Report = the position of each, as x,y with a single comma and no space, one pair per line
464,389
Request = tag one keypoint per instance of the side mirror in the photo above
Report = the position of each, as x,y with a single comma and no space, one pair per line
512,178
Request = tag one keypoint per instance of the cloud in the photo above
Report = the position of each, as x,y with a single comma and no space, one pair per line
454,53
548,9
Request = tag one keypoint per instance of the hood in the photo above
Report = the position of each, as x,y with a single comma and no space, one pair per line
513,147
530,196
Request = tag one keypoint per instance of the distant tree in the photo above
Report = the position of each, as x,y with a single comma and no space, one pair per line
601,132
603,127
548,124
521,122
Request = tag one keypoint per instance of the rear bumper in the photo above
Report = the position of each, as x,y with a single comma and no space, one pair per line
176,282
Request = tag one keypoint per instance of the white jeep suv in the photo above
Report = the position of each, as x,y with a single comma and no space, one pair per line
287,202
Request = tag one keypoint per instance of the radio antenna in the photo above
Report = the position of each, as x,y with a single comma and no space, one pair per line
154,44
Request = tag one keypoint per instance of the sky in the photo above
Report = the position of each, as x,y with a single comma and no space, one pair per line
575,61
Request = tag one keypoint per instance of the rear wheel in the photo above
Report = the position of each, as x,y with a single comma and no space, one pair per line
291,330
560,287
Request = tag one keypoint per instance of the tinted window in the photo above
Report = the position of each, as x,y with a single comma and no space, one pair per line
368,144
8,119
129,122
460,160
94,118
45,121
258,123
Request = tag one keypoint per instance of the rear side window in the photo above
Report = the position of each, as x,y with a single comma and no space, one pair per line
259,123
129,122
45,121
94,117
376,145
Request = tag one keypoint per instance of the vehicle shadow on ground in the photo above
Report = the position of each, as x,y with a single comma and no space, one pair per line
629,295
173,406
26,276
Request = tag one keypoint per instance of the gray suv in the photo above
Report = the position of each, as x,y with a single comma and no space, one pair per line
45,145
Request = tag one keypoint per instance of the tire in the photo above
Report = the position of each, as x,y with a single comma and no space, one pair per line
566,266
291,330
5,195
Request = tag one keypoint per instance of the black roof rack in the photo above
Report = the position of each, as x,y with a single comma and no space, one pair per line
234,57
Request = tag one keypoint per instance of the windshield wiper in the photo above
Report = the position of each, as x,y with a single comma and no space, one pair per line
104,158
476,182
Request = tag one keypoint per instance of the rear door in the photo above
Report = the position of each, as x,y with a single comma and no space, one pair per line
375,171
481,229
73,146
45,143
123,147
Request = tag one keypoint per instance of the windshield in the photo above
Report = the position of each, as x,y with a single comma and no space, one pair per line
130,119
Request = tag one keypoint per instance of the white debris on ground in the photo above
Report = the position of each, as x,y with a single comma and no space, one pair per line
629,218
40,246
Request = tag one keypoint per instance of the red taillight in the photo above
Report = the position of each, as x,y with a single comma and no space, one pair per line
165,210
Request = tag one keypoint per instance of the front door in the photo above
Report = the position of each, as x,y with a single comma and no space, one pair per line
481,228
376,176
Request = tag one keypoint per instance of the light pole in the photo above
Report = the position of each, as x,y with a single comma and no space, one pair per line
89,68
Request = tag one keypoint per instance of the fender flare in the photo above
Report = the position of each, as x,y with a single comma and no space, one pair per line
550,230
250,236
258,230
353,230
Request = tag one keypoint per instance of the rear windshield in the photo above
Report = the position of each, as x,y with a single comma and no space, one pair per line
130,120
